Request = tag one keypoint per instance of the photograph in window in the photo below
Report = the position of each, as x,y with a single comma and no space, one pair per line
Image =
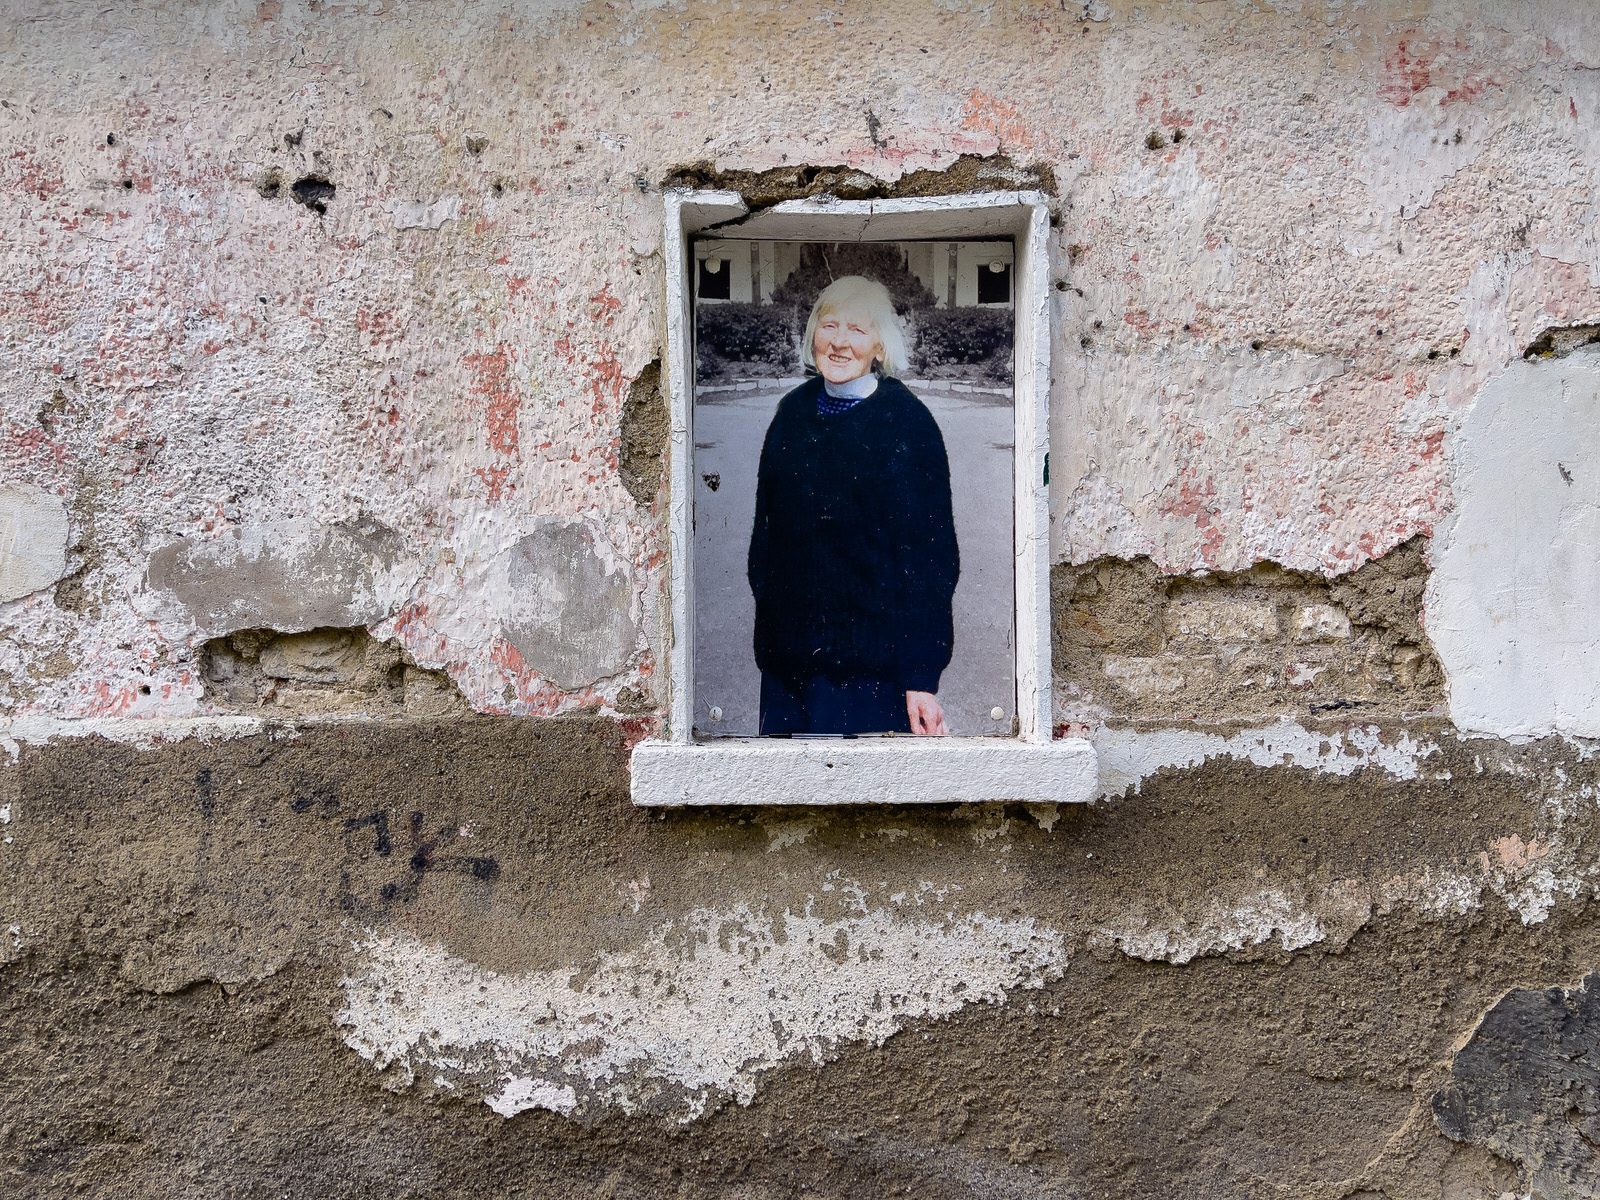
852,465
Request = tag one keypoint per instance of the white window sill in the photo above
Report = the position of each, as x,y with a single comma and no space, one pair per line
863,771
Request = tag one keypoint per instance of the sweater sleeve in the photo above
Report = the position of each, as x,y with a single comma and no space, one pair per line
932,561
758,567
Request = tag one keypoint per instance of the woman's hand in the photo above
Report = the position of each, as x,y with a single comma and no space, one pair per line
927,718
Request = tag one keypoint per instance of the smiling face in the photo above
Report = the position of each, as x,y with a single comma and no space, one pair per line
844,344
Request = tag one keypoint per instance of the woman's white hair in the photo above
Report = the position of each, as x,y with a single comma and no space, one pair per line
867,298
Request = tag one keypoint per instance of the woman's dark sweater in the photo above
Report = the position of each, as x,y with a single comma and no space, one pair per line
853,558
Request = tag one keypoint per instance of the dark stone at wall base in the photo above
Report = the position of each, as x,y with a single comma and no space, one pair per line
1527,1088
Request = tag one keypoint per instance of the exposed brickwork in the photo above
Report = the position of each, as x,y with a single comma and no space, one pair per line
1137,645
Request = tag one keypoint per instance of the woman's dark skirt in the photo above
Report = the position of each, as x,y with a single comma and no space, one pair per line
820,705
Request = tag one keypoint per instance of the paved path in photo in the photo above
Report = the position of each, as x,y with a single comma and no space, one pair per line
978,433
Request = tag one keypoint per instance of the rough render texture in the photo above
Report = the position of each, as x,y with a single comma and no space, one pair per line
331,427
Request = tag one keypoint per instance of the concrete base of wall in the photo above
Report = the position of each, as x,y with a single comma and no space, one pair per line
215,948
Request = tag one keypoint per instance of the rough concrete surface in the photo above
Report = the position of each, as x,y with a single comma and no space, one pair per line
210,939
333,573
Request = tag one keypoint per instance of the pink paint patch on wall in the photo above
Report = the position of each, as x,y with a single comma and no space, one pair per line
497,392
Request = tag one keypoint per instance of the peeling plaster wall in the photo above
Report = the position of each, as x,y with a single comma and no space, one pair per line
332,594
446,349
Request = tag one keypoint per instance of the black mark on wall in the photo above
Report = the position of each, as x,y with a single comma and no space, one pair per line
384,867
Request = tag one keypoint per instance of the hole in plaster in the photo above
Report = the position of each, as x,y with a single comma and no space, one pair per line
643,435
322,670
1233,644
269,184
291,141
476,144
1086,341
1154,140
1177,136
127,185
498,187
1256,345
1561,340
144,689
111,139
314,191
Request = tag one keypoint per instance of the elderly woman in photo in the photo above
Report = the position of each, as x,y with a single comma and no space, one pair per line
853,558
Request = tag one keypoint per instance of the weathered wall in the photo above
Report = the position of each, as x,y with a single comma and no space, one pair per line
331,588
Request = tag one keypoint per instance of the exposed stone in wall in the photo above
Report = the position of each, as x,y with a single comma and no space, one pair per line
967,173
322,671
1561,340
1135,644
1527,1087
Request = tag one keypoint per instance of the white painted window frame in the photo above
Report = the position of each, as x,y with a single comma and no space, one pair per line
1032,767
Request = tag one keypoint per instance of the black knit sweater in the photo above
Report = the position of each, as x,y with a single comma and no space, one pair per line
853,558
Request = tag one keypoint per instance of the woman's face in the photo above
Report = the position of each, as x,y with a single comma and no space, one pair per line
844,345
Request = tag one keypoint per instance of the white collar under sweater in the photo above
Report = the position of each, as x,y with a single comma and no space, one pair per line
858,388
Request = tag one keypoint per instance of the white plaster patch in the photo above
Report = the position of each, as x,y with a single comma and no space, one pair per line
1513,604
1220,927
414,214
1128,757
783,834
698,1012
519,1095
139,732
33,539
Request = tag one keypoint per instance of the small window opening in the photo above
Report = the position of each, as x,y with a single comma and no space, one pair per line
713,279
994,283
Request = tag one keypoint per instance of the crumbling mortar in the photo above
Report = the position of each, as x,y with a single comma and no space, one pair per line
1558,341
764,189
324,670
